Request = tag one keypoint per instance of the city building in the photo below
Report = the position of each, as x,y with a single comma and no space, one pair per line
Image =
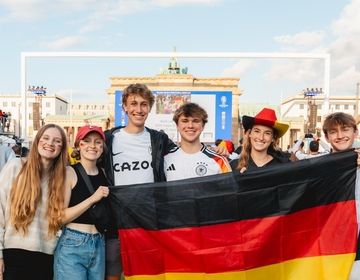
88,109
80,114
12,103
304,114
71,122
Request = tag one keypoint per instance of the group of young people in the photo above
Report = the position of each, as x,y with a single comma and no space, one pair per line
46,230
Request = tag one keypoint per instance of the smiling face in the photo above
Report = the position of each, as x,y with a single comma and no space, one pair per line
341,137
190,128
261,137
91,147
137,109
50,144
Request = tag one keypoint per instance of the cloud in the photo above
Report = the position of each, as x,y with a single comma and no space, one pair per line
85,15
296,71
345,82
344,49
239,68
303,40
343,44
41,10
108,11
64,42
169,3
349,21
98,12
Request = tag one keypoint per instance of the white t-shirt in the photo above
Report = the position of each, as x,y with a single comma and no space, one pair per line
132,158
180,165
300,155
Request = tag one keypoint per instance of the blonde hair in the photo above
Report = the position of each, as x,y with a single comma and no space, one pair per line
246,150
25,194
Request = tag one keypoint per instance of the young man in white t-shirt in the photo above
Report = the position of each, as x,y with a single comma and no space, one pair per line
192,158
135,154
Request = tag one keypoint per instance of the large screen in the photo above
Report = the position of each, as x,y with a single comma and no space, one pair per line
217,104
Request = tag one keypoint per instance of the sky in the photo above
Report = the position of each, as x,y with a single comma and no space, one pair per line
189,26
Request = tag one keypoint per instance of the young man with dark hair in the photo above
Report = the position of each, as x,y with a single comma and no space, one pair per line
192,158
314,147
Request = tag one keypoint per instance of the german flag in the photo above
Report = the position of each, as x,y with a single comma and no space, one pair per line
291,221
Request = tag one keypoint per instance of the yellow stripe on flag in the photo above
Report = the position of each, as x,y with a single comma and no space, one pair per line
333,267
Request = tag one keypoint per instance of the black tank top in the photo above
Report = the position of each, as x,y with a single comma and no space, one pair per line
80,192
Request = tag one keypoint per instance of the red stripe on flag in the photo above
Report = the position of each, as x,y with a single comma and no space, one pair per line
322,230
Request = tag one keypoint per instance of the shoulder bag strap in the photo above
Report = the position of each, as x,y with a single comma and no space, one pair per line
85,177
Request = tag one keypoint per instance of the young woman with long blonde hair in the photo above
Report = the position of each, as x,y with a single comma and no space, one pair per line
32,202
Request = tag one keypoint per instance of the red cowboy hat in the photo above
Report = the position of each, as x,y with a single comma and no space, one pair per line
266,117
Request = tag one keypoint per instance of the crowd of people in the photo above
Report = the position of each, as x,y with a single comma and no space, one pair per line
47,226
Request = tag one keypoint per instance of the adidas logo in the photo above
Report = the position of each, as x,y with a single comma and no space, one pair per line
171,167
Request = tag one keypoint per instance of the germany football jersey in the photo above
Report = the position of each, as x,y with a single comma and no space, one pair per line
180,165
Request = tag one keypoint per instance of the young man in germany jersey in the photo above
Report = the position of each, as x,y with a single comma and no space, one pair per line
192,158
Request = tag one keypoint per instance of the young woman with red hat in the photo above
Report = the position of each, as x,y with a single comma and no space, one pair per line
260,146
80,252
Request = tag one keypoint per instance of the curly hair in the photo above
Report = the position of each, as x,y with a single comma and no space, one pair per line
139,89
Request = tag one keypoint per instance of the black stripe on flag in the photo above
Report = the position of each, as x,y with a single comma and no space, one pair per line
272,191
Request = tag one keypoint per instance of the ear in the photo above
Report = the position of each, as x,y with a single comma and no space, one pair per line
326,138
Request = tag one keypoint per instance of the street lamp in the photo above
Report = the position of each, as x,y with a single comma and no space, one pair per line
39,92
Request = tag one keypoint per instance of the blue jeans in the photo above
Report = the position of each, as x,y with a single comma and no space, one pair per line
79,256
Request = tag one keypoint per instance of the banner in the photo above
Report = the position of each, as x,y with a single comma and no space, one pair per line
291,221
